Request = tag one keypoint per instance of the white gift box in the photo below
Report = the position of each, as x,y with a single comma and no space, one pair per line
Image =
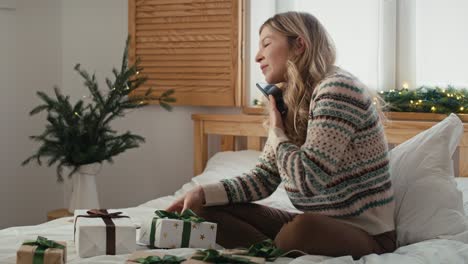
91,235
171,233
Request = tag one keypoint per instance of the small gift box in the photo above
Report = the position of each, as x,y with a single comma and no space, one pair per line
201,257
151,257
174,230
214,256
103,232
42,251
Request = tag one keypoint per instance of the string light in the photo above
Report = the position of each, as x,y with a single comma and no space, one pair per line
420,101
405,85
462,108
433,108
411,101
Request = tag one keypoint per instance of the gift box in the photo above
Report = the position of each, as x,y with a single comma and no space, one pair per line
173,230
103,232
210,256
42,251
214,256
148,257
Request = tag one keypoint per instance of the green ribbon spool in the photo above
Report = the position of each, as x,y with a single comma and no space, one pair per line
213,256
167,259
42,244
187,216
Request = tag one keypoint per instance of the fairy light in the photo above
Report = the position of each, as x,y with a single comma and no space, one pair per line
405,85
462,108
420,101
433,108
411,101
137,72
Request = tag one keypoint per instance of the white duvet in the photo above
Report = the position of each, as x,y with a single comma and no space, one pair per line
434,251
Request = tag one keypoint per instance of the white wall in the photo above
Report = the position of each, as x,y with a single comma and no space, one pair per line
29,39
52,36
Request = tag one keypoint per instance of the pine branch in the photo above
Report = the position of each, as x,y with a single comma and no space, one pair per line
79,134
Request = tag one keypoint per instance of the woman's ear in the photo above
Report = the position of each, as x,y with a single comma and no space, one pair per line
300,46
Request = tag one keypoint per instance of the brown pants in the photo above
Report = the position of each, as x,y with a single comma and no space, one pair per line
241,225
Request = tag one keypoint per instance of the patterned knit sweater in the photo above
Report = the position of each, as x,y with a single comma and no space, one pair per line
342,169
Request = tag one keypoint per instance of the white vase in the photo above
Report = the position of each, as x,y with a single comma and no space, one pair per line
84,190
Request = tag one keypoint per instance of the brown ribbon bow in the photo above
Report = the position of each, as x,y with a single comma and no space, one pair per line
110,226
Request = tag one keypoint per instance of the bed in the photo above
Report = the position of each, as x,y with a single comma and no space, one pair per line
241,140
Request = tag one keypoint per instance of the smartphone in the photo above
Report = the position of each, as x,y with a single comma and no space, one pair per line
277,93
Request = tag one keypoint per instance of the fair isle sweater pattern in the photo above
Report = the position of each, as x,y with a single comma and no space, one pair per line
342,169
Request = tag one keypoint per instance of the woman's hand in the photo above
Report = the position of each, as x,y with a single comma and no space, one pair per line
194,200
275,116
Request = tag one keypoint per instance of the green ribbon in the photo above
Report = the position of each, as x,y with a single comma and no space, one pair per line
265,249
167,259
187,216
213,256
42,244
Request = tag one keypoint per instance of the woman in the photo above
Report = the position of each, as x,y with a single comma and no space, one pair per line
329,150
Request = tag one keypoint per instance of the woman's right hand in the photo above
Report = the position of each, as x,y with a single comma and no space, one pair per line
194,199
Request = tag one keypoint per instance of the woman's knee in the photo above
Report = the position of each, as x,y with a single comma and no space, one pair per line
289,237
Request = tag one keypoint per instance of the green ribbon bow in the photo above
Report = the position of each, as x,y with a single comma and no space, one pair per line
42,244
213,256
265,249
187,216
167,259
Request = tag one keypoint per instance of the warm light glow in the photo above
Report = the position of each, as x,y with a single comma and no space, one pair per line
411,101
405,85
433,108
462,108
420,101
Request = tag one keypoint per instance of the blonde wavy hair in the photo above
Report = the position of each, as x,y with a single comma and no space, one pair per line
305,70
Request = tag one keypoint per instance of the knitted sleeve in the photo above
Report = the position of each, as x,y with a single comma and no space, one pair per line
257,184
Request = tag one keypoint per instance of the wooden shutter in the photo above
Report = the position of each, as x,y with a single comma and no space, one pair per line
191,46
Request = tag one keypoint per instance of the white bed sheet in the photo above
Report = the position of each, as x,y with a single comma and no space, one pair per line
429,252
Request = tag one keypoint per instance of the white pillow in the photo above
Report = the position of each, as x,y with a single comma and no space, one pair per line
428,203
227,164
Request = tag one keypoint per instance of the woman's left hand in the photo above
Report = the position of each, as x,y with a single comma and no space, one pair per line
275,116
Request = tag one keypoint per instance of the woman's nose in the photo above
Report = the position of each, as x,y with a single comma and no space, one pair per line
258,57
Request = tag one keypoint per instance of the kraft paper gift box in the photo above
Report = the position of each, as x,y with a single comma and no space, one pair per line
103,232
188,230
42,251
132,259
140,256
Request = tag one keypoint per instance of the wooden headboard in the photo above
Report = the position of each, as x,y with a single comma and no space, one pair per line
233,127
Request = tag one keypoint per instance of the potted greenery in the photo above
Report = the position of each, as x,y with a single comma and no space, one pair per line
79,137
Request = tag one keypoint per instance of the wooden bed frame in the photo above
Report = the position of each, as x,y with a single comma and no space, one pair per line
234,127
